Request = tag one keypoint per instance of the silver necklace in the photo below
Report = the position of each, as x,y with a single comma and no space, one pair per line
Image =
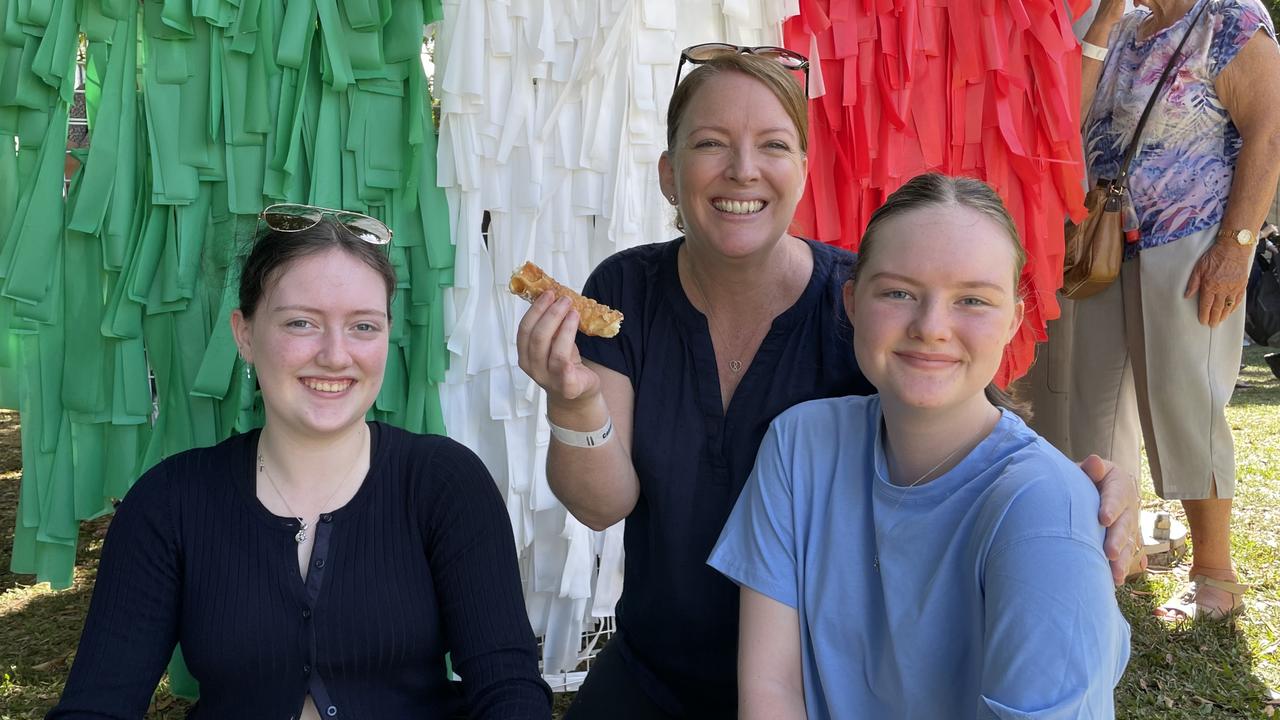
735,365
927,473
875,559
301,536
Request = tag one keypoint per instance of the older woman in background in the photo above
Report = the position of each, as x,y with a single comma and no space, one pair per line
1162,345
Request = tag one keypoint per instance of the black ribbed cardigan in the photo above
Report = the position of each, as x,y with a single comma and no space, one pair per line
421,561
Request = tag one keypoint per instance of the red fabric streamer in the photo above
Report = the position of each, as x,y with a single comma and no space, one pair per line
988,89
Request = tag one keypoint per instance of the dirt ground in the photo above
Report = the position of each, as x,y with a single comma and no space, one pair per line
10,481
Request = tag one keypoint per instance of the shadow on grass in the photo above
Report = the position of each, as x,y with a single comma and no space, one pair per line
1188,670
1255,397
1262,387
39,631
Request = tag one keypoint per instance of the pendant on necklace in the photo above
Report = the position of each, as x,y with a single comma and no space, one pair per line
301,536
735,366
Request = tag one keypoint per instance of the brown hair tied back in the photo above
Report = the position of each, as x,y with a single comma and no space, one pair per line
779,80
935,189
274,251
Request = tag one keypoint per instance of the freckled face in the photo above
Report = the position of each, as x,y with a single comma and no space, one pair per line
935,306
736,167
318,342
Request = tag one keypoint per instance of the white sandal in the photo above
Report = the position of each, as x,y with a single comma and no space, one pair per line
1183,605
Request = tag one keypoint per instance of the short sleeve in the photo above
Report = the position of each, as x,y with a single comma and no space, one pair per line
609,284
757,548
1235,25
1056,643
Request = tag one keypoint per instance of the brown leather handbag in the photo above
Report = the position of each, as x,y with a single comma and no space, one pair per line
1095,247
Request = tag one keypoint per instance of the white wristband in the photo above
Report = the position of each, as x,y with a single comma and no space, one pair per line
574,438
1097,52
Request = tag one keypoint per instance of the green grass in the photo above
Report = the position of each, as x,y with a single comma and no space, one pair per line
1221,669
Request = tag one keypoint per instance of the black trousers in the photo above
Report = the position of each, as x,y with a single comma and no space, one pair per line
611,692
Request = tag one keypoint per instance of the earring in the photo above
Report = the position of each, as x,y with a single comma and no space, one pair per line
248,372
671,199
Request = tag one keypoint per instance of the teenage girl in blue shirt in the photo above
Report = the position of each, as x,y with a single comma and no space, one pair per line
921,553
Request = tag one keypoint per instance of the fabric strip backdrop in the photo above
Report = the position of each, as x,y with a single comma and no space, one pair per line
115,294
984,88
553,116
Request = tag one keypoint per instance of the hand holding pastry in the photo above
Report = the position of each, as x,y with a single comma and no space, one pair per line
546,340
530,282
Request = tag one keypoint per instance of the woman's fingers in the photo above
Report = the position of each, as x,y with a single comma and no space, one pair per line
1217,307
1118,512
537,328
562,351
533,317
546,342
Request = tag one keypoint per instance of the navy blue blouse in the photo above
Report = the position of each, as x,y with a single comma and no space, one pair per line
678,618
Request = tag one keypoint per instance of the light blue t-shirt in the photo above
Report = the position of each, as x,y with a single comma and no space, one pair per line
981,594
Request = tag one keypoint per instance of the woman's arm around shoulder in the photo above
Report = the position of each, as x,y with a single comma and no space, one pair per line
131,628
1055,642
472,557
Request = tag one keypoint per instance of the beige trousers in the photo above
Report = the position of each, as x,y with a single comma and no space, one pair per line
1140,357
1048,382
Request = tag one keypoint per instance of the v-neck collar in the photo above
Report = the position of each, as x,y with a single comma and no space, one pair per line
700,345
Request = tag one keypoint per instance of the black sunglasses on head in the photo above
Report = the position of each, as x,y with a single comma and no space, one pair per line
293,217
698,54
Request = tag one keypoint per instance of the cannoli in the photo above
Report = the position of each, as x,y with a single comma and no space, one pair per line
593,318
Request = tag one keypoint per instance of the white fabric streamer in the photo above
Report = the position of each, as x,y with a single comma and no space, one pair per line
553,117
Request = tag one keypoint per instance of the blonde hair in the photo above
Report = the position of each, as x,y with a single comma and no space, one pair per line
769,72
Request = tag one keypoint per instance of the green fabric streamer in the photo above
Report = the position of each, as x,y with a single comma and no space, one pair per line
115,297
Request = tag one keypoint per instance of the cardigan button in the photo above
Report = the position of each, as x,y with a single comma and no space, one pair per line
306,614
306,669
331,711
319,563
326,517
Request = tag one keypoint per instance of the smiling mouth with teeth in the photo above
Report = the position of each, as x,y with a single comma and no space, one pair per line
738,207
326,386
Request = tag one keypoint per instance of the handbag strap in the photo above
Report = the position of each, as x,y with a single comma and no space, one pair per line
1123,177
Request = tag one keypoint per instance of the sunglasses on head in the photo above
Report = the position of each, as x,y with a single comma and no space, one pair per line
292,217
698,54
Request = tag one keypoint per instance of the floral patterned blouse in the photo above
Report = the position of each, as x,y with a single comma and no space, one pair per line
1181,175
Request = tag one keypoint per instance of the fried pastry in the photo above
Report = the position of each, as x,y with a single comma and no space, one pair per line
530,281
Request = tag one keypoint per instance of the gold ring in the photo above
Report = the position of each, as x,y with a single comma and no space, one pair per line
1230,303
